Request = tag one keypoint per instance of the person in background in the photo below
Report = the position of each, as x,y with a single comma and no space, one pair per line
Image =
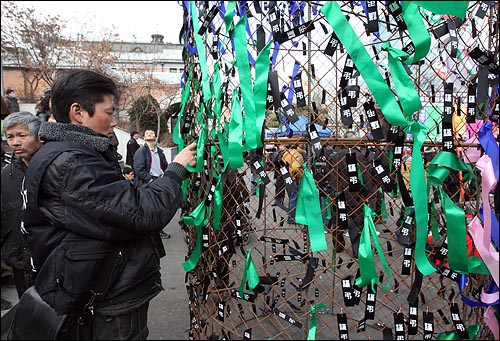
128,174
149,160
149,164
42,107
132,147
11,100
294,158
21,129
79,213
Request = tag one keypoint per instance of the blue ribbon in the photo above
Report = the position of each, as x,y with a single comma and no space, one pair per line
487,140
462,284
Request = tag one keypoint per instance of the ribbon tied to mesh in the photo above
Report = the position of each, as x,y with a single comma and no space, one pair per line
311,335
368,271
439,169
308,211
250,273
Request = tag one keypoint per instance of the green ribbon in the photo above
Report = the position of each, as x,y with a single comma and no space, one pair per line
367,269
438,170
364,63
235,141
228,16
196,217
194,258
417,31
311,335
383,206
176,134
250,273
200,151
200,47
308,211
407,94
217,210
420,197
457,8
243,64
253,124
216,81
472,330
436,237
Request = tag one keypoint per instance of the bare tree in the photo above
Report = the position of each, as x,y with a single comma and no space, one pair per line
32,42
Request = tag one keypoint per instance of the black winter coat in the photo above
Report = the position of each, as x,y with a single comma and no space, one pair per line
80,206
132,147
15,250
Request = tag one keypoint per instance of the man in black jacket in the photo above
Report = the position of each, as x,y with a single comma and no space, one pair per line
132,147
80,211
21,130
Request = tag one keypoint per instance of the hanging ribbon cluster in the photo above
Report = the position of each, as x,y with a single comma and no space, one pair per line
229,85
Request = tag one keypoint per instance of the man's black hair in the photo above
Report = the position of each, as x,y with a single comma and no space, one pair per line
84,87
127,170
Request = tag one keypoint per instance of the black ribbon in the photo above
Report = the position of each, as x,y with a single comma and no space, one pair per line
483,9
371,9
371,300
347,291
220,311
428,325
457,321
352,172
332,45
342,326
287,318
453,37
413,318
287,108
247,333
447,123
296,31
373,120
383,175
315,140
342,211
485,58
399,325
471,103
396,11
208,20
345,109
299,90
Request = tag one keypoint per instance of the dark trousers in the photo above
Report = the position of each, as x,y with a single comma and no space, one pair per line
129,326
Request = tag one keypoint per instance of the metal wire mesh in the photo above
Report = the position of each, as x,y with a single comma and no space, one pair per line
255,215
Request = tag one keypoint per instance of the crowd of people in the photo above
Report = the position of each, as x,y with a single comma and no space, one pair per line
72,211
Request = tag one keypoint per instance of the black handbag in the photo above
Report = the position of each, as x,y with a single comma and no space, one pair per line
35,319
32,311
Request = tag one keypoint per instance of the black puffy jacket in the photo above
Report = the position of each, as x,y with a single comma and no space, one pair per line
15,251
79,205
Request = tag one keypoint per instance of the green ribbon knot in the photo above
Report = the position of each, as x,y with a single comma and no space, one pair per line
250,273
308,211
367,269
311,335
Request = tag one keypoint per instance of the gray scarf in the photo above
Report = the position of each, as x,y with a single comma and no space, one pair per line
54,131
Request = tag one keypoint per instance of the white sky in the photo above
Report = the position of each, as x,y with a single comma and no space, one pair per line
126,18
